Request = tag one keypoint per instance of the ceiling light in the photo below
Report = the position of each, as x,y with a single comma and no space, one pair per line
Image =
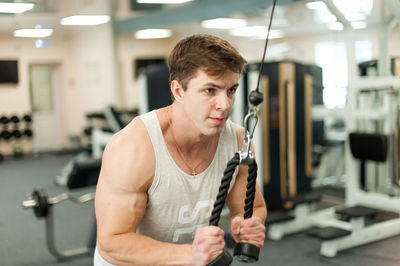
317,5
85,20
324,17
223,23
335,26
163,1
355,16
153,34
33,33
359,24
249,31
42,43
274,34
15,7
256,32
354,6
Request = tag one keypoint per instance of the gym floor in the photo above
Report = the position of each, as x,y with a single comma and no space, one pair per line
23,240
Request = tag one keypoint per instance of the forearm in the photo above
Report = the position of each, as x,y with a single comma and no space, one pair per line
258,211
136,249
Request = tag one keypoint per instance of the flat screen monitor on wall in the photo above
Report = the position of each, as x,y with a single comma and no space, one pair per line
8,71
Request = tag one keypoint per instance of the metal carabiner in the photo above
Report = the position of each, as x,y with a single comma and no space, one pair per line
245,154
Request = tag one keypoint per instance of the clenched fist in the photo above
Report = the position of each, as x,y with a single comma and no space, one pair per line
250,230
208,244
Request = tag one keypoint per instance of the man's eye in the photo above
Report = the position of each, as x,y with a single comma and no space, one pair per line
232,91
209,90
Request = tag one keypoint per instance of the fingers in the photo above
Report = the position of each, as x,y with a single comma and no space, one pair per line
208,244
235,225
250,230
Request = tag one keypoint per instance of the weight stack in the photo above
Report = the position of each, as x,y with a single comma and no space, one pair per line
290,89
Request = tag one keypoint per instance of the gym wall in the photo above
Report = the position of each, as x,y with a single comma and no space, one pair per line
97,69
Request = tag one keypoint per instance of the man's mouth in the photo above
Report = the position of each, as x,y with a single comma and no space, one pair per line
218,120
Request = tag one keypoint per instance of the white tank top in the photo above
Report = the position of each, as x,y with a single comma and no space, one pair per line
178,203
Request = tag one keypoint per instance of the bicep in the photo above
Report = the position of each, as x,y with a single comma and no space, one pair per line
118,210
121,194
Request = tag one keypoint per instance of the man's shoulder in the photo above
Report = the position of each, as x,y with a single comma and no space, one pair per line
132,144
133,136
130,151
237,128
239,131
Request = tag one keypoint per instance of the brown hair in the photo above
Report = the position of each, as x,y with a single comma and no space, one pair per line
206,52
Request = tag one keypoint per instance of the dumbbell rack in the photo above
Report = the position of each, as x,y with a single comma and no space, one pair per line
13,133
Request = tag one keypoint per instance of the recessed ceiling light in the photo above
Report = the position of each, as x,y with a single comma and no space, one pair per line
256,32
335,26
359,25
355,16
15,8
153,34
325,18
85,20
249,31
224,23
317,5
33,33
163,1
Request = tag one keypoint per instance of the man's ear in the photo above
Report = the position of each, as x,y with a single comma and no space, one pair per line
177,90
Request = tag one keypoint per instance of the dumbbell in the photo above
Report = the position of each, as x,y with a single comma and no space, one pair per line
16,134
14,119
6,135
28,133
4,120
27,118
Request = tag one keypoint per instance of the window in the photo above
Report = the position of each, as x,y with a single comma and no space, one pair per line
331,56
41,88
363,50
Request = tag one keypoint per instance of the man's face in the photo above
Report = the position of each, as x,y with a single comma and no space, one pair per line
208,100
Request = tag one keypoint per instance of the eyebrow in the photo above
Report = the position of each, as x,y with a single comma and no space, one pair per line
218,86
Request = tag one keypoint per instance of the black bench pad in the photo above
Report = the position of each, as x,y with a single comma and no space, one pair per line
305,198
278,217
356,211
327,233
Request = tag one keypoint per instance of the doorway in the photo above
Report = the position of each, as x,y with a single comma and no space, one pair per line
45,102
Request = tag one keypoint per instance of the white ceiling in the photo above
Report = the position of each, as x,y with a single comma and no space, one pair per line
294,18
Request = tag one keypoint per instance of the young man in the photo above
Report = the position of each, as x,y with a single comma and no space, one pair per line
160,175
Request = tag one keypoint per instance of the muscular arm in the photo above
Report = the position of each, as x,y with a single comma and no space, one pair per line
121,197
237,195
235,199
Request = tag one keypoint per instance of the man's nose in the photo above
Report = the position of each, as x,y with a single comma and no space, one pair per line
223,102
